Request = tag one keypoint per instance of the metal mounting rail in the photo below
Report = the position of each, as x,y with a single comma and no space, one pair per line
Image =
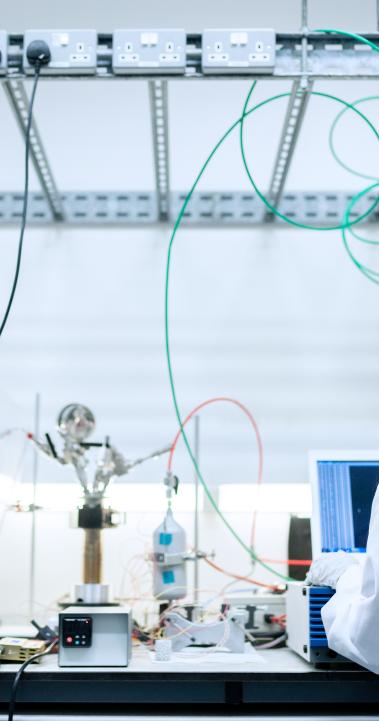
19,101
329,56
159,120
206,209
292,124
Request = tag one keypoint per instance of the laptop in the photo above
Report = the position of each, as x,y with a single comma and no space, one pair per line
343,487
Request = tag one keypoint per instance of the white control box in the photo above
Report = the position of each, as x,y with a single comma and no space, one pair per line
3,51
72,51
238,51
149,51
95,636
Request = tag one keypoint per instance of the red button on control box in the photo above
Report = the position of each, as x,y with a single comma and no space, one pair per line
69,639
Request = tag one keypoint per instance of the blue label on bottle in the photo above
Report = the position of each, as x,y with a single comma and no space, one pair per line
165,539
168,577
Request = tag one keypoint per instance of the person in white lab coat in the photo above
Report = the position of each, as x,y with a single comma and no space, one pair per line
351,617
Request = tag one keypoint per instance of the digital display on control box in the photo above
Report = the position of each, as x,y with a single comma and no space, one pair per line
76,631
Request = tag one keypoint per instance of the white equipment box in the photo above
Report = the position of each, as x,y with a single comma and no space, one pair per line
95,636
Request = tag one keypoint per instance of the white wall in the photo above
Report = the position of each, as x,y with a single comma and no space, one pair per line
284,16
279,319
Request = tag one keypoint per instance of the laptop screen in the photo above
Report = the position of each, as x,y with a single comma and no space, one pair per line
346,490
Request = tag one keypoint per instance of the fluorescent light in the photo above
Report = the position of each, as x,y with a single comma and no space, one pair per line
151,497
128,497
269,498
7,485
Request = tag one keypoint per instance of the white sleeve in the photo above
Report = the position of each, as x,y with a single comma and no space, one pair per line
351,616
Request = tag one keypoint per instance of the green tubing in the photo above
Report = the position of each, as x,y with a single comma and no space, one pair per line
346,225
275,211
353,36
348,167
207,491
333,151
370,274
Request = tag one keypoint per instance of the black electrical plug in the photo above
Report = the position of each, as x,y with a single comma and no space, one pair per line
45,633
38,53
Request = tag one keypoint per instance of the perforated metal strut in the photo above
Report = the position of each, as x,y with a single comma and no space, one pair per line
19,101
159,119
294,117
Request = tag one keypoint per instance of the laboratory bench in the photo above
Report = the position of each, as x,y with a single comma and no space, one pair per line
272,683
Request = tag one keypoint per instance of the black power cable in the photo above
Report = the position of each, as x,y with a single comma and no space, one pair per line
38,54
25,204
12,699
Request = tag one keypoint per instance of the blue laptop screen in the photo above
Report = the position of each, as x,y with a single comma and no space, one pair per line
346,492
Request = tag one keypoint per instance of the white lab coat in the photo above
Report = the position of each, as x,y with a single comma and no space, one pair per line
351,617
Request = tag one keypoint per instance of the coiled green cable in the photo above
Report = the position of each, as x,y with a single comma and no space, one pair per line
264,199
207,491
370,274
332,130
346,223
354,200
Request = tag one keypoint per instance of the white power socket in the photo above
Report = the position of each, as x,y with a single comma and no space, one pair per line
149,51
74,51
243,51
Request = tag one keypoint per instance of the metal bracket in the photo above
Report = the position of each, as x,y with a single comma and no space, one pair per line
19,101
159,118
167,559
292,124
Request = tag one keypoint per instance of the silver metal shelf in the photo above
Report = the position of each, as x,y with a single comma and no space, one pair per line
205,209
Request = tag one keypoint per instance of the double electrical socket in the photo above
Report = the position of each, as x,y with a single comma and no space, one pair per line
149,51
245,51
72,51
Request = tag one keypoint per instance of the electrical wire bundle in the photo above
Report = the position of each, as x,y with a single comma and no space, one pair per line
347,225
